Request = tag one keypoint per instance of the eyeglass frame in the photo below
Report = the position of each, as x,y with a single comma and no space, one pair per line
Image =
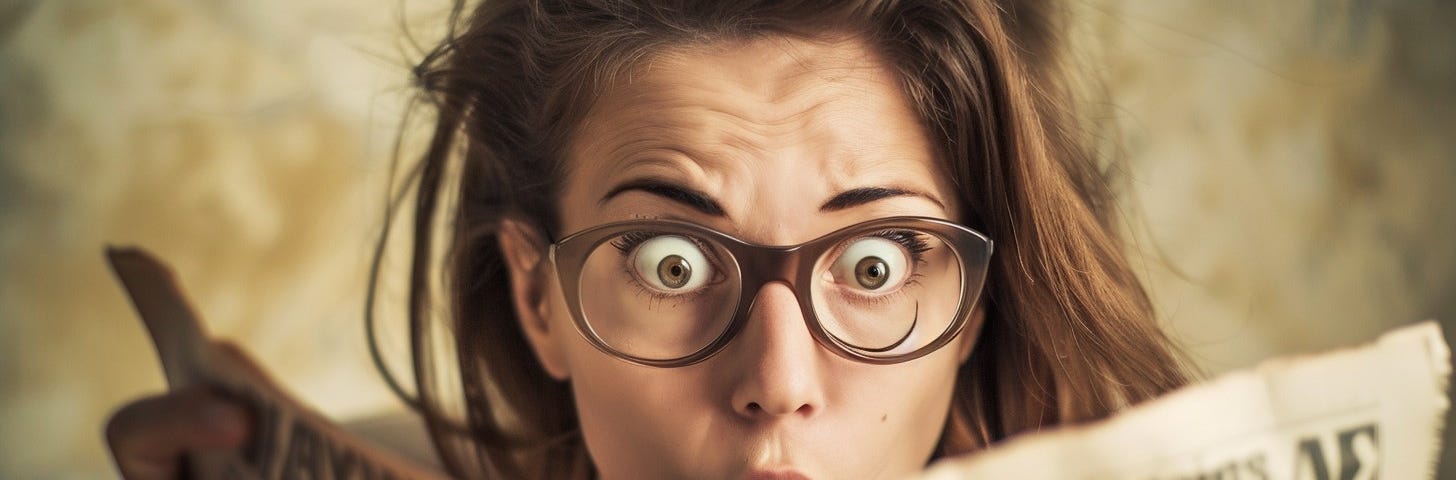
794,265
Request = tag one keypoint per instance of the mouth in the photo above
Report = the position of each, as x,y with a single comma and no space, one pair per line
775,473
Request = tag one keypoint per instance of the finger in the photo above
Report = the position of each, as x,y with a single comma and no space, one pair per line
239,358
149,437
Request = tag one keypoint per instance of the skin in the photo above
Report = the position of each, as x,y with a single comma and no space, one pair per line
769,130
148,437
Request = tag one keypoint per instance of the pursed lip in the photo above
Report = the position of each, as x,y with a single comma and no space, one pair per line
777,473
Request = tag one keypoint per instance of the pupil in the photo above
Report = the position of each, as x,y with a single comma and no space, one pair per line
871,272
674,271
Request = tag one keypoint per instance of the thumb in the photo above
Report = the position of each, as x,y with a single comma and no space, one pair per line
149,437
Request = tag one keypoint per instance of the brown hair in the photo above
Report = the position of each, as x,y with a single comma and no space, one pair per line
1069,332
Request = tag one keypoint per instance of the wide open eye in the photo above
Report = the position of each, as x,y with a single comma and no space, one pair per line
671,263
872,264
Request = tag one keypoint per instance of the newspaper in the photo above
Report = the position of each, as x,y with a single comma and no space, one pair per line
289,440
1372,412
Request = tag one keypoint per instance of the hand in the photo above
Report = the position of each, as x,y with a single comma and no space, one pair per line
149,437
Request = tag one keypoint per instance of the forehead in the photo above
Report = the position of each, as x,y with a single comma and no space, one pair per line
766,81
829,114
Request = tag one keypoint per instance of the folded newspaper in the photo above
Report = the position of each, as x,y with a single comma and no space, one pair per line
1369,412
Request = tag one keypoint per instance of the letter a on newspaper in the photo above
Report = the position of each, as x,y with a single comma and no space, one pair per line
1371,412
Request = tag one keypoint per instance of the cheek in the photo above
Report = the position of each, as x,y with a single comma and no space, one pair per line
638,422
641,422
901,409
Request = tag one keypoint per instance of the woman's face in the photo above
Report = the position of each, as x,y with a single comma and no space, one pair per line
752,139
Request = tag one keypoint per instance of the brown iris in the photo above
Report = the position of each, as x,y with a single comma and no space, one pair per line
872,272
674,271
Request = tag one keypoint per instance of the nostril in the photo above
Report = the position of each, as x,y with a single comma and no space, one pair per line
755,409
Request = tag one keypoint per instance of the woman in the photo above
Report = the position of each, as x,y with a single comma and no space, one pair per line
625,302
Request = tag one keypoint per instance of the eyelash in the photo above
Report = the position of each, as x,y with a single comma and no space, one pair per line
911,241
630,241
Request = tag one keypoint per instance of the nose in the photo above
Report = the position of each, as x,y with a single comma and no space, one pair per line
775,362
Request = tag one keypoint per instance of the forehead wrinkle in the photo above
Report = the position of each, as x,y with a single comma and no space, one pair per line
664,148
802,112
713,135
794,98
651,125
811,77
856,155
834,59
723,130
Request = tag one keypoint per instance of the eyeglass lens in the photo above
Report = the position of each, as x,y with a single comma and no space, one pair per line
656,295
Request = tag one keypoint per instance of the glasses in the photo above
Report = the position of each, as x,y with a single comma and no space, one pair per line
666,293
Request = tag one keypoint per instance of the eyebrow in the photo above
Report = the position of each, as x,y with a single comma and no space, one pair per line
860,196
693,199
701,202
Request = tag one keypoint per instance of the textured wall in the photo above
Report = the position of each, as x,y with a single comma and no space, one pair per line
245,142
1290,174
1293,160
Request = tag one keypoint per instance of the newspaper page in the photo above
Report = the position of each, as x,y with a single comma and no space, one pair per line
1372,412
289,439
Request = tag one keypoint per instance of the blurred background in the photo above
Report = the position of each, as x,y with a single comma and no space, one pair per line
1290,173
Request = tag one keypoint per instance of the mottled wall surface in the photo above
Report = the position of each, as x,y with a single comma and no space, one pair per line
1293,160
245,142
1289,180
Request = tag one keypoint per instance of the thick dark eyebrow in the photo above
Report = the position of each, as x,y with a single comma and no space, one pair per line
861,196
691,198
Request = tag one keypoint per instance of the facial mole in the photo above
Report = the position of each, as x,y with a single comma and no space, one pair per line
883,417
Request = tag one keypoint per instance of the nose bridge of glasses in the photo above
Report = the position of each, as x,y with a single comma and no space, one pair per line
761,265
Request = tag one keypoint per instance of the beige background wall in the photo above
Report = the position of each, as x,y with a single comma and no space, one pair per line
1290,167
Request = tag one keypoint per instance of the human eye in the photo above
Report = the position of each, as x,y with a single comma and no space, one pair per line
666,264
881,262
